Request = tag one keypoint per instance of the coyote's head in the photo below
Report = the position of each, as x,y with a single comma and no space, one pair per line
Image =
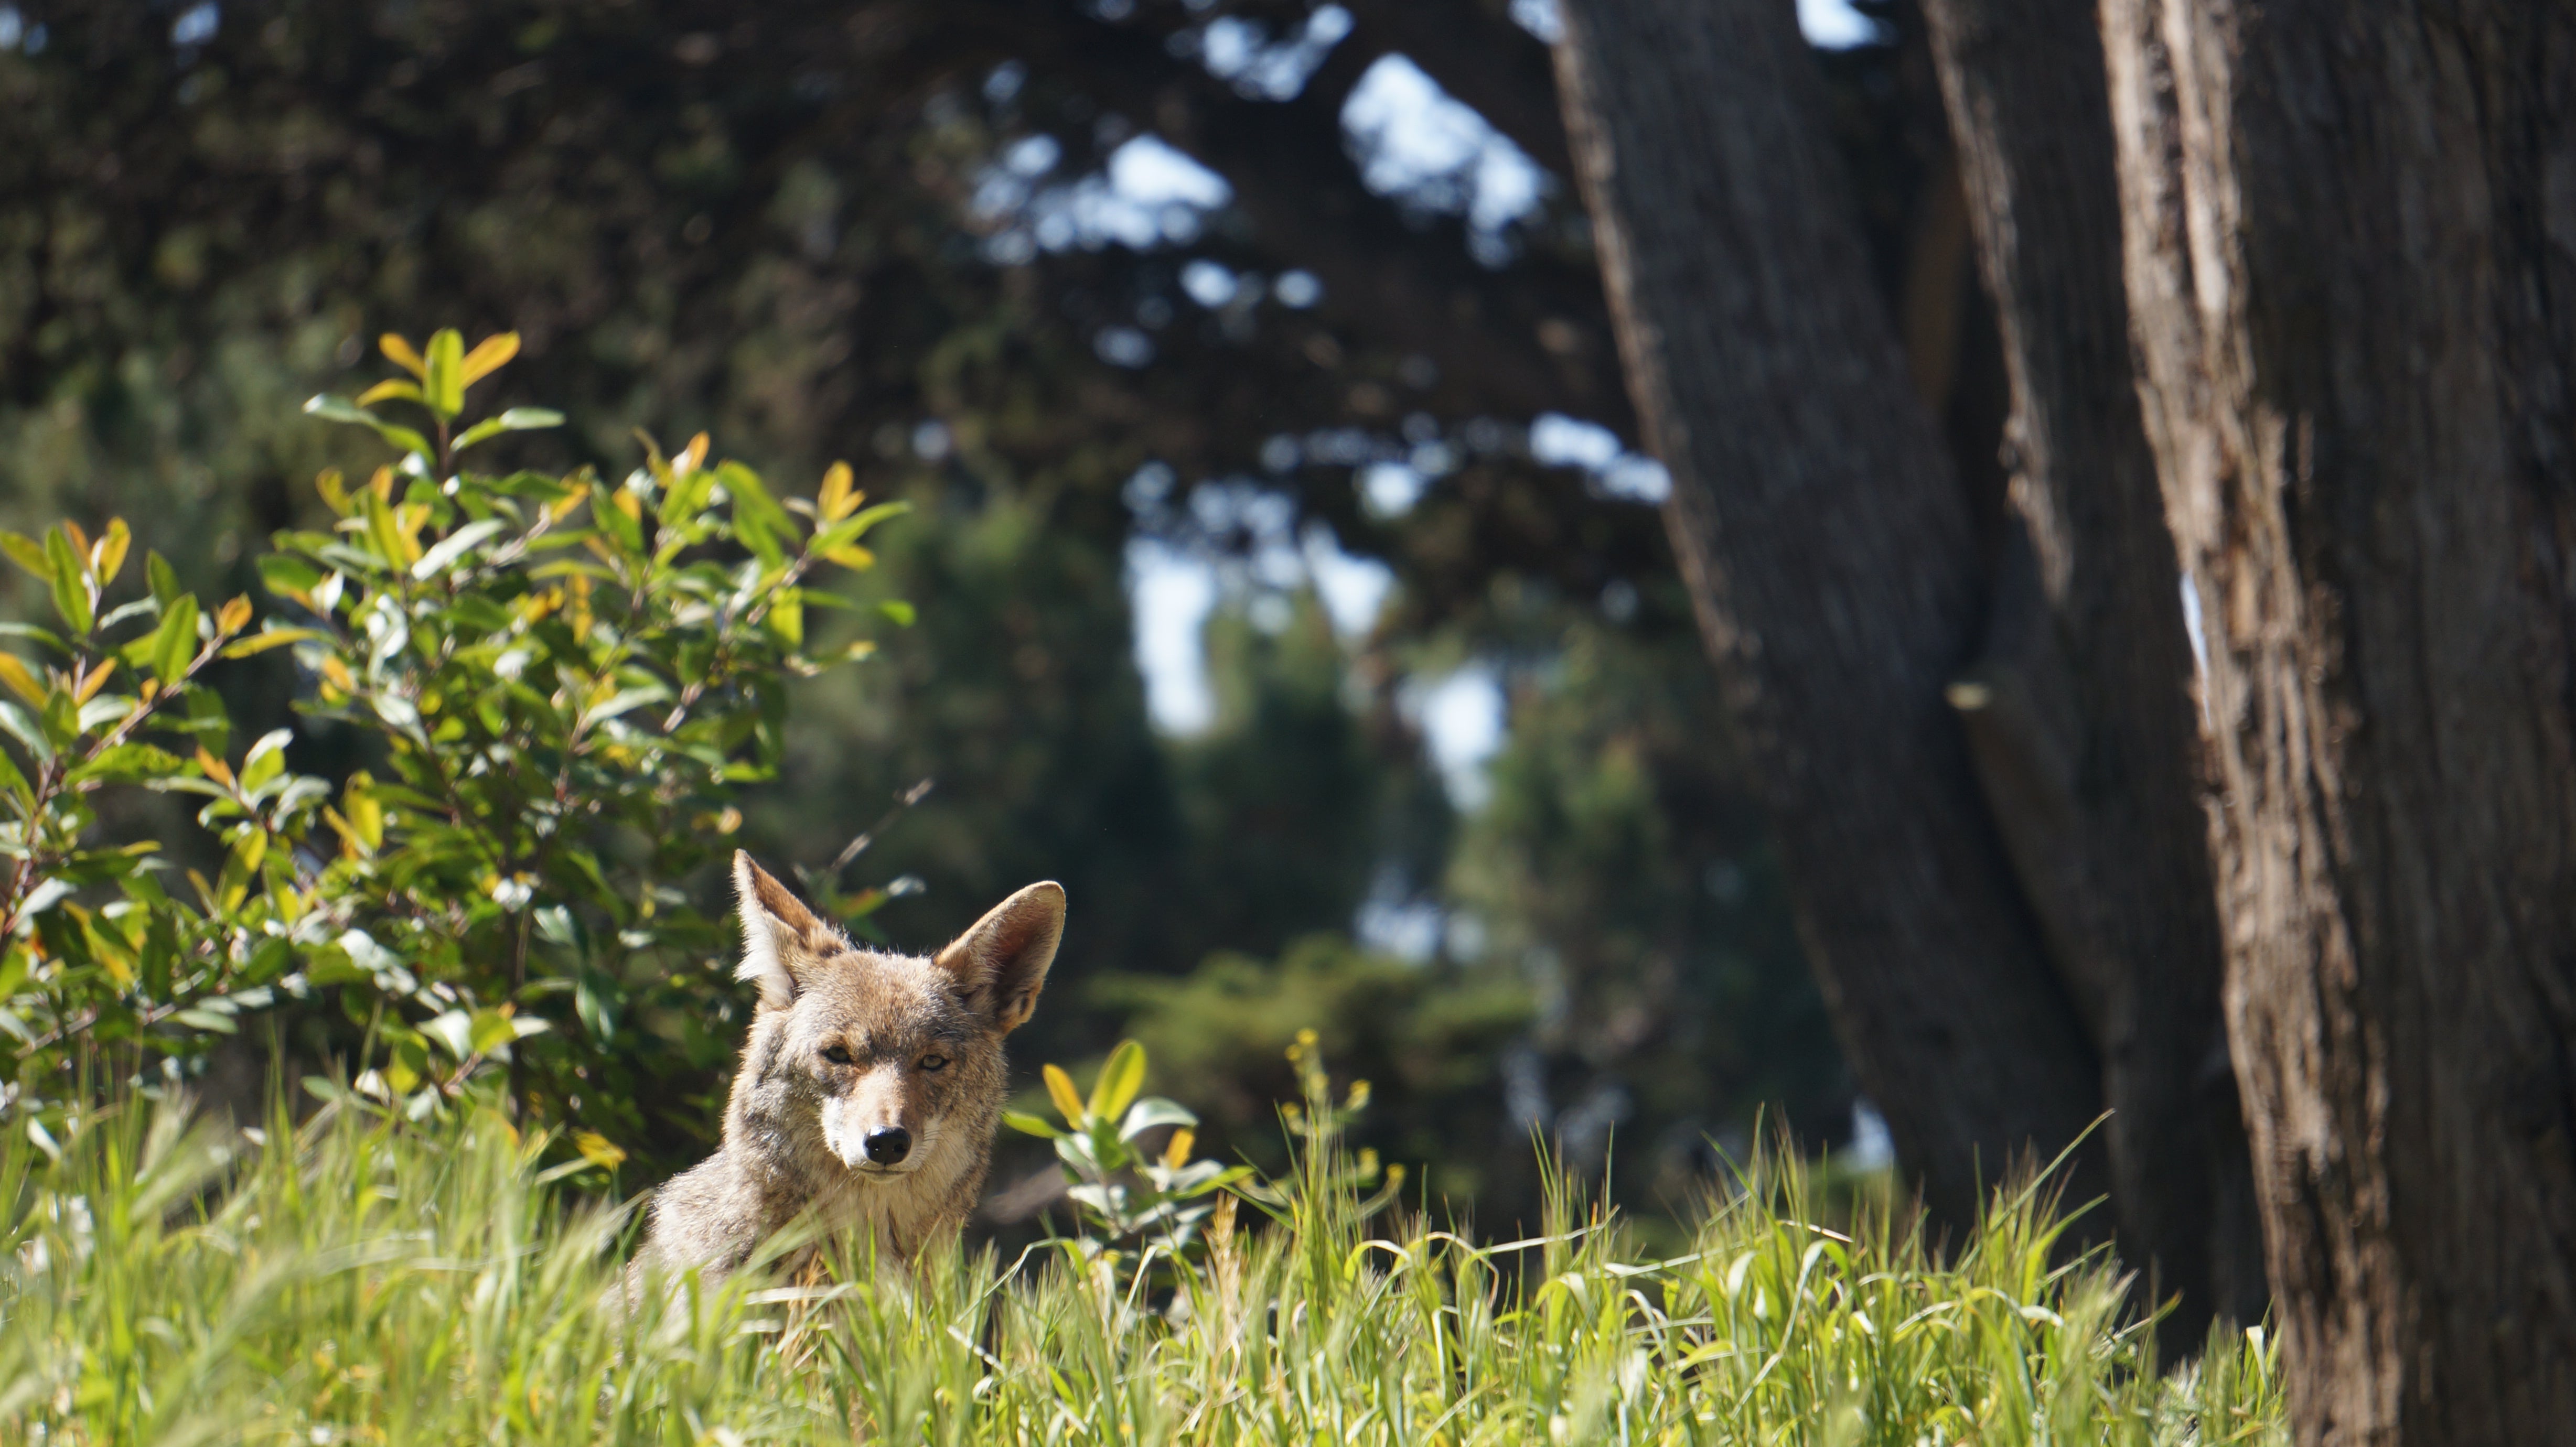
889,1065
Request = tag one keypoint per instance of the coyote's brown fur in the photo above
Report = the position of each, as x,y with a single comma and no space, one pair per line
871,1083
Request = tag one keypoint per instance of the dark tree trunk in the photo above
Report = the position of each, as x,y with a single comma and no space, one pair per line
1829,550
2351,240
2080,715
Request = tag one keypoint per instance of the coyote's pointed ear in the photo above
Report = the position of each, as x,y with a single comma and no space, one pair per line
780,936
1002,961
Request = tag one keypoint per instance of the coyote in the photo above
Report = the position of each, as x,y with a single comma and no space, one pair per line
871,1083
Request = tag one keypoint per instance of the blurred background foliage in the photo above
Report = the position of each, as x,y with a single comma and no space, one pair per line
1126,296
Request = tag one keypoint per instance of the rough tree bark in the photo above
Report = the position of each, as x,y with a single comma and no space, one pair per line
1829,551
2080,715
2351,242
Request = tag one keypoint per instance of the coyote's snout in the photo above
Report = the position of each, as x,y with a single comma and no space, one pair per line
870,1085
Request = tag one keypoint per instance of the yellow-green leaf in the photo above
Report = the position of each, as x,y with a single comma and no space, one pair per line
399,352
71,580
391,389
27,553
21,679
174,643
1060,1090
787,619
442,383
489,356
1120,1078
836,500
334,490
268,638
107,555
597,1149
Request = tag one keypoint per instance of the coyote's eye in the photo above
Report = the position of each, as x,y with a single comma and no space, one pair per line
838,1054
934,1062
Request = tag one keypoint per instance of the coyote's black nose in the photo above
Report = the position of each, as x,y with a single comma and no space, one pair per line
885,1147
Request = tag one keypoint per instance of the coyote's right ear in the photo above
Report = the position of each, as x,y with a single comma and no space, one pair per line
1000,963
779,934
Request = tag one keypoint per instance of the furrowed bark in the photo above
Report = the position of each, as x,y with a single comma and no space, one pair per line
1829,551
2080,714
2351,243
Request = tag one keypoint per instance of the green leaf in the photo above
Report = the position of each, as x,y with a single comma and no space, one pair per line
164,580
128,764
1029,1125
1120,1078
786,620
341,409
758,520
517,419
454,546
174,643
454,1029
612,519
898,610
1150,1112
290,577
29,630
443,385
22,726
268,637
139,608
857,524
267,758
492,1030
595,1001
71,583
27,553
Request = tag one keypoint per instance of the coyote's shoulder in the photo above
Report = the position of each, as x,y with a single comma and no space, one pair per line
870,1085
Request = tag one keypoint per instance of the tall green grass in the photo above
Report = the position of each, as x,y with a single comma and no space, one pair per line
357,1280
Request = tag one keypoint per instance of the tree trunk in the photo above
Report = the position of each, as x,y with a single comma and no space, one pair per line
2351,240
1828,549
2080,715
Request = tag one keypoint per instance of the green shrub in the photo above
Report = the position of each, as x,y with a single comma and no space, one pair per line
561,682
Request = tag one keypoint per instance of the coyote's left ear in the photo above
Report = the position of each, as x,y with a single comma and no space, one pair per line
1001,962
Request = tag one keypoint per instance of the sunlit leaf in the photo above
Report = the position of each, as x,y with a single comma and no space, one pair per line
27,553
392,389
1068,1102
489,356
399,352
836,499
1121,1076
442,382
70,581
517,419
107,556
597,1149
163,580
21,680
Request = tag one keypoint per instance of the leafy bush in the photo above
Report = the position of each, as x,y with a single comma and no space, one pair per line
367,1279
563,682
1129,1198
1431,1039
